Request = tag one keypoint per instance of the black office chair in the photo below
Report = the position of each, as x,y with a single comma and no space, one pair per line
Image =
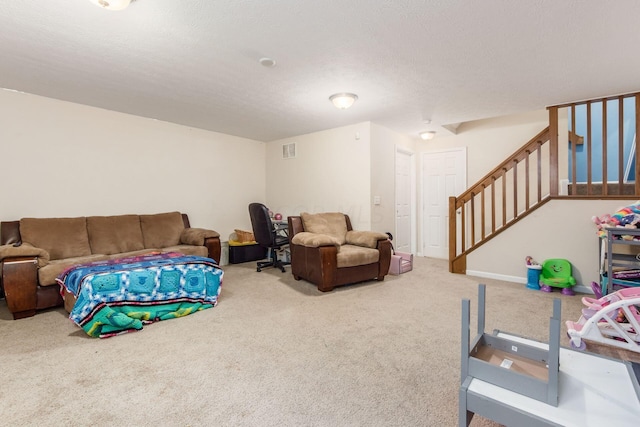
267,236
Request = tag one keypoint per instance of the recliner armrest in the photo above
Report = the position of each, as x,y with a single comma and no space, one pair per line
368,239
24,250
314,240
196,236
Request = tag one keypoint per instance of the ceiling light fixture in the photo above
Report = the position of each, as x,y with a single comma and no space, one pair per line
111,4
343,100
267,62
427,135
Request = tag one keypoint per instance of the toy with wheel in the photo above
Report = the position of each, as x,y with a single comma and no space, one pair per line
613,320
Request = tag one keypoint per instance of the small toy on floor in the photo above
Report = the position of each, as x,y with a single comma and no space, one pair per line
533,273
556,273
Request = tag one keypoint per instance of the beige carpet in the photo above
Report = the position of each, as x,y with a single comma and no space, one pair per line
274,352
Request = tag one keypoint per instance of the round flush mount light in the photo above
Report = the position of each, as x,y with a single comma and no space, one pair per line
111,4
267,62
343,100
427,135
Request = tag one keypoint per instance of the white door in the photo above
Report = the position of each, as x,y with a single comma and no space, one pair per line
404,205
444,174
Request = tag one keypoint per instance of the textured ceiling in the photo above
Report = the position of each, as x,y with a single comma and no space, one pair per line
196,62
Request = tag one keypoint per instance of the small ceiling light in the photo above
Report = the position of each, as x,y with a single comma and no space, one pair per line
427,135
343,101
111,4
267,62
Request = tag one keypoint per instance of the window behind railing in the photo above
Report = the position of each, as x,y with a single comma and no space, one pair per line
602,161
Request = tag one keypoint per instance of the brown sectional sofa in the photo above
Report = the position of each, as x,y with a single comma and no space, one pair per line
34,251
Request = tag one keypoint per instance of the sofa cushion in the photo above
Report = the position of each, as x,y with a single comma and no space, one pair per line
331,223
351,256
47,274
161,230
367,239
188,250
61,237
114,234
314,240
134,253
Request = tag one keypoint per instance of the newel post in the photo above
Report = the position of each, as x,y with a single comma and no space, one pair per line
553,151
452,231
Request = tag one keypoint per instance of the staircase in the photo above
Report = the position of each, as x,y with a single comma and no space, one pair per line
533,175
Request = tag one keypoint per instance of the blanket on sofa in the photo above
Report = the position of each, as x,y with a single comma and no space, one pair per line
119,296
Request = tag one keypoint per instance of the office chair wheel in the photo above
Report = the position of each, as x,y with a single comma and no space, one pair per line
258,269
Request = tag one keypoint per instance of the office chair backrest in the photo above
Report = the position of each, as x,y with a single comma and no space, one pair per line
262,226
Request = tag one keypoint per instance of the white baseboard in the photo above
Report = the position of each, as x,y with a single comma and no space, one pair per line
516,279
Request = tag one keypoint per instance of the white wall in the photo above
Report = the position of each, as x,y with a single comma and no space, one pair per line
64,159
490,141
338,170
560,229
330,173
384,143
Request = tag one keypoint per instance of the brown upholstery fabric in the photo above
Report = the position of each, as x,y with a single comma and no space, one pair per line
350,256
24,250
188,250
161,230
313,240
196,236
368,239
134,253
61,237
47,274
114,234
331,223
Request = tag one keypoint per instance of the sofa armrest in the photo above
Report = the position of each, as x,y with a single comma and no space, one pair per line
24,250
367,239
314,240
196,236
20,282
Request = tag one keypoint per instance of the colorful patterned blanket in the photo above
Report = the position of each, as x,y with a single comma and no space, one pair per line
119,296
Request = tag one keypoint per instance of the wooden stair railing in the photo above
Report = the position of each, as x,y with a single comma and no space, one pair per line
502,197
506,194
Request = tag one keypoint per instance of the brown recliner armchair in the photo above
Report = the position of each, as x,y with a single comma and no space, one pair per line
327,252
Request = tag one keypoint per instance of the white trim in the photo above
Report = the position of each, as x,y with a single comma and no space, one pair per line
412,194
516,279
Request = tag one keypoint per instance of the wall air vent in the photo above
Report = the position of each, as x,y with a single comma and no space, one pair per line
289,151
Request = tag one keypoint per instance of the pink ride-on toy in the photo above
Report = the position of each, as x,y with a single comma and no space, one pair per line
556,273
613,319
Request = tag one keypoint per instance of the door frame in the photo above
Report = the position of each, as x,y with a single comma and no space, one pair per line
412,193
